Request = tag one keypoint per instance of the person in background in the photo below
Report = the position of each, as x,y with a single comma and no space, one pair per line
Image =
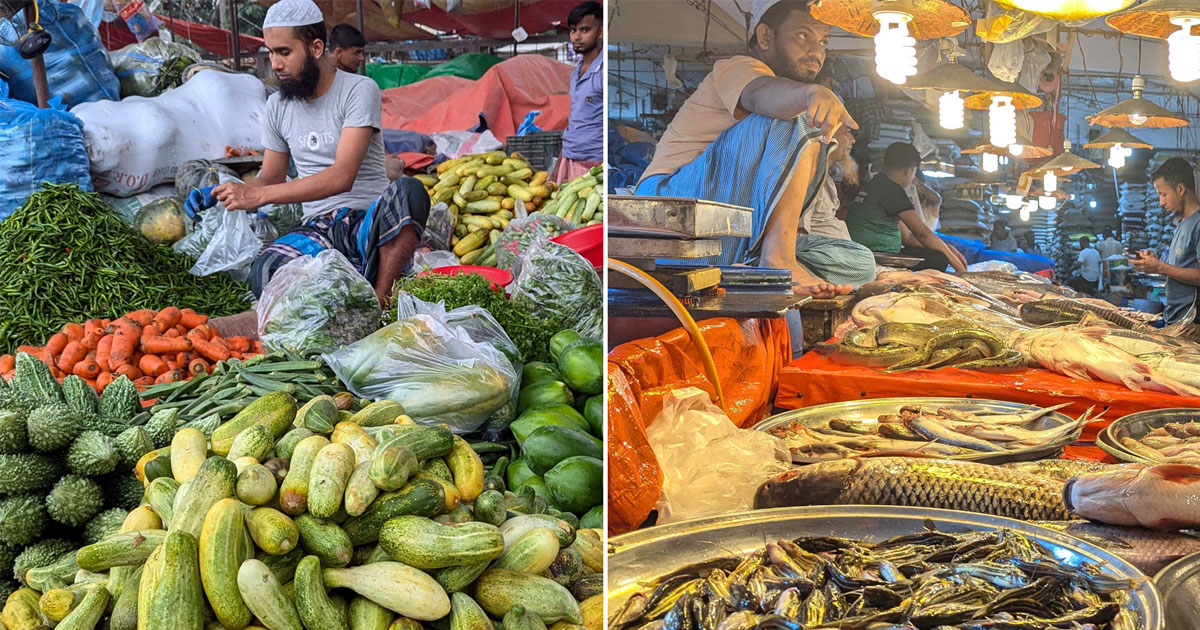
1029,244
753,134
328,122
1086,279
348,48
1175,182
1002,238
875,217
583,141
928,203
1109,246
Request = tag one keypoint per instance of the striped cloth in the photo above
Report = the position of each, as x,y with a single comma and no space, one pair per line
750,164
357,234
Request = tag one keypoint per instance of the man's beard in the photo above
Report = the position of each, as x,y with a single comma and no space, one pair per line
305,85
587,50
794,69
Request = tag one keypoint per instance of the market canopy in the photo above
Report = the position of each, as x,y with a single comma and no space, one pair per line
394,20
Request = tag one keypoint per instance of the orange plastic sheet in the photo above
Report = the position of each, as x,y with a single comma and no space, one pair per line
814,380
749,355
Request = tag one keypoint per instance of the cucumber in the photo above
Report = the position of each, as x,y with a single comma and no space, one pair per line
533,552
437,467
312,602
189,448
325,540
287,444
276,411
593,612
392,467
421,497
21,611
265,598
216,480
498,590
567,567
404,623
57,603
577,483
360,490
465,614
120,549
361,444
490,508
426,544
378,414
178,602
395,586
284,567
423,442
457,516
89,611
221,555
293,493
588,585
125,608
155,464
256,441
590,545
273,531
255,485
466,468
327,481
456,579
449,491
546,446
518,618
515,527
317,415
367,615
147,586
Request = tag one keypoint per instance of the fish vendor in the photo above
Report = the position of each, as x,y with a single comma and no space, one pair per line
1175,183
328,122
583,140
756,134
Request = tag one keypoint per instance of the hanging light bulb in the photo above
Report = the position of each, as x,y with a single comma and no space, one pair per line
1016,149
1138,119
951,110
1117,155
1050,182
1183,49
1046,202
1025,213
895,50
1002,122
991,162
1014,202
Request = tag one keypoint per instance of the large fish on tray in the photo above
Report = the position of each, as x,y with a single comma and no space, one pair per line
1150,550
916,482
1166,496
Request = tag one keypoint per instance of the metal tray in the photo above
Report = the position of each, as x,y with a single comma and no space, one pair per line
1136,425
1112,447
674,217
1179,587
896,260
870,409
650,553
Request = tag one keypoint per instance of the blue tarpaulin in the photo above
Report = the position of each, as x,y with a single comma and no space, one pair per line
976,251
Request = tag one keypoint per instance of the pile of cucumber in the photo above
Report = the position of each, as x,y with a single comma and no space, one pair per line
311,517
560,430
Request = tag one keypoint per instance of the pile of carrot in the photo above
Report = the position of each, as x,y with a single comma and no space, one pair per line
147,346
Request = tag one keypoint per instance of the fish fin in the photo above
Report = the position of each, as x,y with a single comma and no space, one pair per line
1177,473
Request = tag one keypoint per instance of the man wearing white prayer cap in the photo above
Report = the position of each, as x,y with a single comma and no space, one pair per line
329,123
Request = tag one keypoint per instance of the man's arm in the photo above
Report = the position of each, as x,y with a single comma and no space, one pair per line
782,99
273,171
1149,263
927,238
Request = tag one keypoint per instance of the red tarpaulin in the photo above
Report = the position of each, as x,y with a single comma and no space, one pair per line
505,95
218,41
535,18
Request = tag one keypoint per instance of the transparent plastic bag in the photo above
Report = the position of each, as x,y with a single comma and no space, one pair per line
437,372
317,304
233,247
521,233
475,320
560,283
439,227
709,465
151,67
424,261
197,174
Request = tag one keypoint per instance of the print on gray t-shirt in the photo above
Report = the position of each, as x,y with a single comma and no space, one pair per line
310,130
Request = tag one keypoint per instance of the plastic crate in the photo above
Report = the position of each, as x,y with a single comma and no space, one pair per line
540,148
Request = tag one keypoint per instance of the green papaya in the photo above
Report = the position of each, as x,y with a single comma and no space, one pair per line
593,411
561,340
594,519
537,372
577,483
518,473
544,394
582,366
556,415
549,445
538,485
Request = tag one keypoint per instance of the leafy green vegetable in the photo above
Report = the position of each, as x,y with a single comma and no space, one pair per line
530,334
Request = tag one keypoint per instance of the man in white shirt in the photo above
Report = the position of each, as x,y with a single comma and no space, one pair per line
1109,246
1087,279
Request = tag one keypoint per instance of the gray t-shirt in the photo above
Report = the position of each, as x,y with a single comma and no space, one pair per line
1183,253
310,130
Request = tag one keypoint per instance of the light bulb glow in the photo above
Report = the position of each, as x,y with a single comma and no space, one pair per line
1050,182
1016,149
1014,202
1046,203
951,111
895,50
1030,206
1138,119
991,162
1117,155
1183,49
1025,213
1002,121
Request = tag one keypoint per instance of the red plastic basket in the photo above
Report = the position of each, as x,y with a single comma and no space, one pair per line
498,277
588,241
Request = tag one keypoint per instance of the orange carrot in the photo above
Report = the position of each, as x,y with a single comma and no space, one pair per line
72,354
87,368
183,330
164,345
91,382
198,366
182,358
74,332
203,331
172,333
7,363
220,341
144,382
258,346
103,380
241,344
144,317
191,319
126,335
102,350
43,355
152,365
129,371
34,350
174,365
92,332
210,350
234,354
169,377
57,342
168,318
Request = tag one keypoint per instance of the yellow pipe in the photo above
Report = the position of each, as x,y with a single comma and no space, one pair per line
689,324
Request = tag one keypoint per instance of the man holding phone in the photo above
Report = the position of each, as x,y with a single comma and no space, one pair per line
1175,182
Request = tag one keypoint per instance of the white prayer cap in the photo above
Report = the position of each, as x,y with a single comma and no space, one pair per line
293,13
758,10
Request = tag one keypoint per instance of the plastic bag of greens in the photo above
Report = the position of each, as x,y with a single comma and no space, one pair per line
521,233
475,320
557,281
436,371
317,304
151,67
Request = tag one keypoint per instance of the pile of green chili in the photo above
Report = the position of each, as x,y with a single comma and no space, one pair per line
65,256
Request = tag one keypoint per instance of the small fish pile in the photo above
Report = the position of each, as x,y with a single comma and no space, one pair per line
980,580
1177,442
898,346
946,432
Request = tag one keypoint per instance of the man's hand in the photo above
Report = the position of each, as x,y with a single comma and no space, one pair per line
826,110
199,200
1147,262
236,196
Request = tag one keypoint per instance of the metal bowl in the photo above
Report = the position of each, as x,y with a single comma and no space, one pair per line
1179,586
650,553
869,410
1137,425
646,554
1107,444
